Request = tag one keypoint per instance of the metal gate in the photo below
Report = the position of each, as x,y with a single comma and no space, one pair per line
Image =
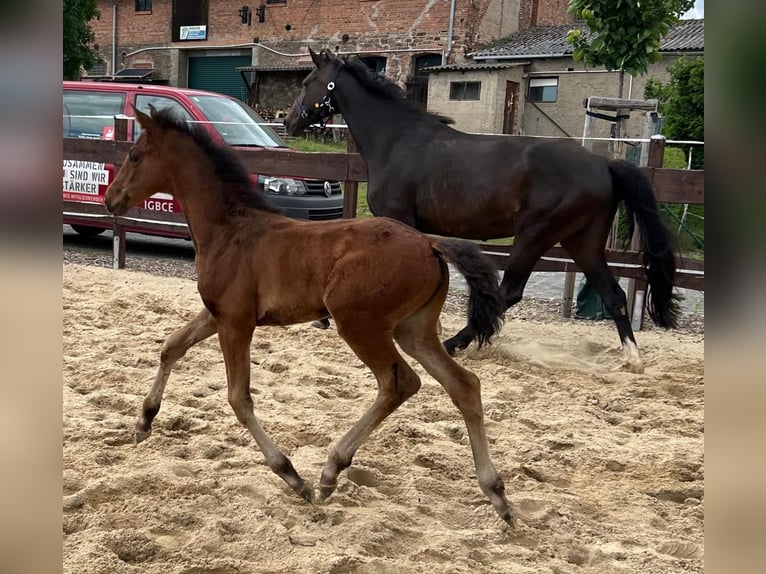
218,74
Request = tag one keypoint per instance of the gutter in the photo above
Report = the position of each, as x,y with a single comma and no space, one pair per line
258,45
517,56
114,36
565,54
450,34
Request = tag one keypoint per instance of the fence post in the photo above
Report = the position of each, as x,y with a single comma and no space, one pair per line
118,246
350,188
637,288
118,231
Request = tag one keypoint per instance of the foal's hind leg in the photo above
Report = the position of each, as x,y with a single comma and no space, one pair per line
588,253
417,337
374,345
196,330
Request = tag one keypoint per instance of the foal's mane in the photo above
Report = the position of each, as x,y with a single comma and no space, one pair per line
239,192
386,88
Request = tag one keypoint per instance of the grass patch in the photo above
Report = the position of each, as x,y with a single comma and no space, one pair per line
308,144
313,145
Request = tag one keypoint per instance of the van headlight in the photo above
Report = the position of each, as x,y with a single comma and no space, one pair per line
284,186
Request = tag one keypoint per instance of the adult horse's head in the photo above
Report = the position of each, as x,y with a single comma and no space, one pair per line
142,174
316,102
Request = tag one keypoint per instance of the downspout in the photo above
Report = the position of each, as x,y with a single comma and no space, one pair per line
450,34
114,36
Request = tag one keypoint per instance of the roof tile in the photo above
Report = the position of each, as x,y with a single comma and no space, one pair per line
686,35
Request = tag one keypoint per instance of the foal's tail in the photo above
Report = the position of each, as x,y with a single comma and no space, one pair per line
635,190
486,304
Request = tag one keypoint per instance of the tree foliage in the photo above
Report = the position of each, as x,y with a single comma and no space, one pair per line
78,37
625,34
682,99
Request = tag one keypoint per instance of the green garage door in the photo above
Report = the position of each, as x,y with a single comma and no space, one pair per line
218,74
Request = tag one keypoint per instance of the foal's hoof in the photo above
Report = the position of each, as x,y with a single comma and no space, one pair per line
141,436
321,323
509,519
450,348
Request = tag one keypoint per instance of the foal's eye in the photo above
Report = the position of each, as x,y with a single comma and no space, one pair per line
133,155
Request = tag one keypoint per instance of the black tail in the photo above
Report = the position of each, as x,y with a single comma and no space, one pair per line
635,190
486,304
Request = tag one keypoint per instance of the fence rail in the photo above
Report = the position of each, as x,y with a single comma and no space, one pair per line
670,185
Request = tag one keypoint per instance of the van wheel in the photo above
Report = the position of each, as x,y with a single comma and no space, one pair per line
87,231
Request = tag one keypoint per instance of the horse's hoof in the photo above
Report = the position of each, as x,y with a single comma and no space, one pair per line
635,368
306,493
450,348
325,491
321,324
141,436
508,519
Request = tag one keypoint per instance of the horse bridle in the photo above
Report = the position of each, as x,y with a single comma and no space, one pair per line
323,107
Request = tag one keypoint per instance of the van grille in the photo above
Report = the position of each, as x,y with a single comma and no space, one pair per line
325,214
316,187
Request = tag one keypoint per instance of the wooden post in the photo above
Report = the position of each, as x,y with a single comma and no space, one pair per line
350,196
637,290
568,298
650,125
121,128
118,246
351,188
118,232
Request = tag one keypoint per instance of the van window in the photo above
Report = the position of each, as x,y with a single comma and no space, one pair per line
159,103
87,114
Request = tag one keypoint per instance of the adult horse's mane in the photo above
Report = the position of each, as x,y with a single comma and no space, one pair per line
386,88
239,192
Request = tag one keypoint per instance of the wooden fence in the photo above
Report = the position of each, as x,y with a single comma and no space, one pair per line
670,185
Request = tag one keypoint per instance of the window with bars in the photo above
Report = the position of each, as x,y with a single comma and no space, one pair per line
143,5
465,91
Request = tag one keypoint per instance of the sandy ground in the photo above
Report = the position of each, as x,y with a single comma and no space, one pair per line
605,469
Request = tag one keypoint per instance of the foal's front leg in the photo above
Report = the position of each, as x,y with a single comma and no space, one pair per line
196,330
235,345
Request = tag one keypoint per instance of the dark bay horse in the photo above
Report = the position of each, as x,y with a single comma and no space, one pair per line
380,280
446,182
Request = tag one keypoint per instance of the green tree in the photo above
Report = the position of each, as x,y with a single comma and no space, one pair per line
625,34
682,103
78,37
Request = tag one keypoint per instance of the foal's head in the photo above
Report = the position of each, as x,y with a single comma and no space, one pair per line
143,173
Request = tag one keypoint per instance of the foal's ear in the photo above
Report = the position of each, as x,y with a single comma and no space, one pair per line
144,119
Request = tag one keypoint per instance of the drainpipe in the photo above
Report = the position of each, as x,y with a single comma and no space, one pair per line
448,52
114,36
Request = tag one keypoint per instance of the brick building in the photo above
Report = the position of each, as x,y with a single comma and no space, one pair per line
201,43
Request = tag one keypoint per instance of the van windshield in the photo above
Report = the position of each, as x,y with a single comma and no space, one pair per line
238,124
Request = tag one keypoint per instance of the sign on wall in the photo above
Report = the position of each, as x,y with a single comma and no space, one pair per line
193,33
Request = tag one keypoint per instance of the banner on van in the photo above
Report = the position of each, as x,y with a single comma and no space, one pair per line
83,180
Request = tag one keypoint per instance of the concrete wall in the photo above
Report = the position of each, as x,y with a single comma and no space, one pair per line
564,117
482,116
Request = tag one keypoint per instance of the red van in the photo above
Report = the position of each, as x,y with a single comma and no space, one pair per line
89,110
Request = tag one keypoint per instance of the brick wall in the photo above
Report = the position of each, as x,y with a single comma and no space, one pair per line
396,29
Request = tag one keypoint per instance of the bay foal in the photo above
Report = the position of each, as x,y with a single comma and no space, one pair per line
380,280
